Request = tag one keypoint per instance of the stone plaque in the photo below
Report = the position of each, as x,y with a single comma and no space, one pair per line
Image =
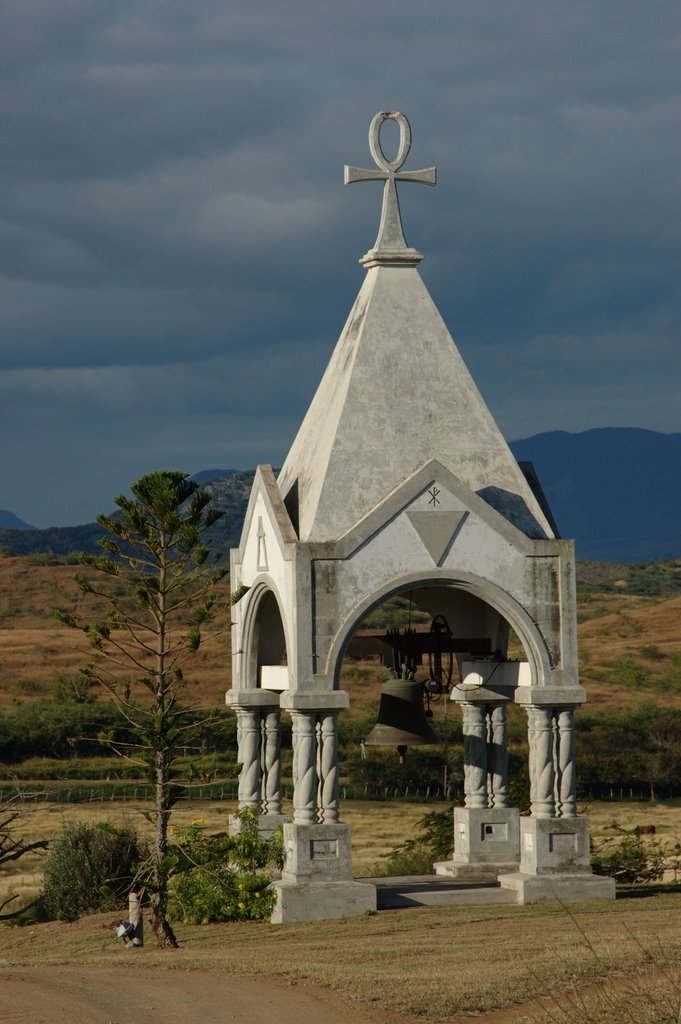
562,842
323,849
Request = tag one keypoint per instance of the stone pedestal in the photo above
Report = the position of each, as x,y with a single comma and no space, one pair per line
316,883
555,863
486,843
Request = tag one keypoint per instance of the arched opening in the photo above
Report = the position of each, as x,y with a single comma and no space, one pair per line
474,608
265,642
434,774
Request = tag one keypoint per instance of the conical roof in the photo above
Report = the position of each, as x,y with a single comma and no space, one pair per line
396,394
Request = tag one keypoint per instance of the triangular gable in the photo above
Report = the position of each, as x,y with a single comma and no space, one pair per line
399,500
265,485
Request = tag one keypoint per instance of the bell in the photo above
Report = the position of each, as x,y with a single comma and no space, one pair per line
402,719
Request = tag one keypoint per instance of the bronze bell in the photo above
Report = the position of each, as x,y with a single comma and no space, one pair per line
402,718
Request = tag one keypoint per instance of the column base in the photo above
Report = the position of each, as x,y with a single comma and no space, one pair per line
555,864
316,883
322,901
558,888
316,853
486,843
554,846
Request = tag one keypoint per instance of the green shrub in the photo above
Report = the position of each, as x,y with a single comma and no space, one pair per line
90,868
630,860
434,841
222,877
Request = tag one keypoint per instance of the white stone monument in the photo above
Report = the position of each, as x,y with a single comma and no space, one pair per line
398,481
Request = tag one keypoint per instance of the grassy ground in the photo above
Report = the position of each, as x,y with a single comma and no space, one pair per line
434,963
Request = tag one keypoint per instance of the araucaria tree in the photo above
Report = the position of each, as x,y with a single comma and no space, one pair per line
12,845
158,580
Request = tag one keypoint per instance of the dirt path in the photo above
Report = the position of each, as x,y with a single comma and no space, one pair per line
134,995
109,995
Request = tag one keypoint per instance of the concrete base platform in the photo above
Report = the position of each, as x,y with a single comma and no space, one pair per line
322,901
554,888
473,872
393,893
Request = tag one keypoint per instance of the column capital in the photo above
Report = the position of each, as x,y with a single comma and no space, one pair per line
251,700
306,700
551,696
482,694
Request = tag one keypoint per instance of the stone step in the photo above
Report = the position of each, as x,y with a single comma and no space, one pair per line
434,891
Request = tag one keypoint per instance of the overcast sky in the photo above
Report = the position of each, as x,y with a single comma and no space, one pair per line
179,253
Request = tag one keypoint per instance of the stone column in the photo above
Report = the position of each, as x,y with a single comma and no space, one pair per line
565,763
271,763
498,757
248,741
304,767
474,755
328,767
541,765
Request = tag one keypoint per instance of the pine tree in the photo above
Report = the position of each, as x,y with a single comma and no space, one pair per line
159,580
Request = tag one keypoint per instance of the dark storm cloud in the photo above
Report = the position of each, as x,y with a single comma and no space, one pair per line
178,253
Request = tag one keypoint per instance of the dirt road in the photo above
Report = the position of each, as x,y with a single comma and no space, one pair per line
155,995
134,995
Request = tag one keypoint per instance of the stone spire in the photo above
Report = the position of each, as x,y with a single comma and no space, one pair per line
396,394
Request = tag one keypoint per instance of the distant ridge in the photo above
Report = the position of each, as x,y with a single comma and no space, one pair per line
204,475
8,521
615,490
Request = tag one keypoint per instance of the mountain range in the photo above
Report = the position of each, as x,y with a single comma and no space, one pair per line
615,490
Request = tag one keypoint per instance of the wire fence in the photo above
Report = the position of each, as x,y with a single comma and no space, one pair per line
139,792
38,792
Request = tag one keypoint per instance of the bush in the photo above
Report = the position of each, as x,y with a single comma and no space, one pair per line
221,877
89,869
630,860
433,842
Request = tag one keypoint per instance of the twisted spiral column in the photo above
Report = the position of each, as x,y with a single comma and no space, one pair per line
498,757
567,798
304,772
271,760
328,768
248,744
542,773
474,755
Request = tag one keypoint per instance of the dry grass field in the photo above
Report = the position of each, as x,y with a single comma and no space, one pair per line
36,648
377,827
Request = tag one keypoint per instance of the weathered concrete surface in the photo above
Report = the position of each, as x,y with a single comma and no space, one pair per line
401,893
396,374
486,842
321,901
568,888
554,846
